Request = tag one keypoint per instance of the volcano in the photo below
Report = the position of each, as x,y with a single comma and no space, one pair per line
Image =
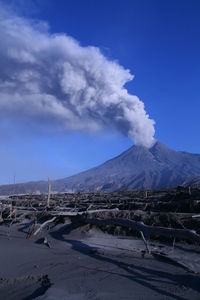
137,168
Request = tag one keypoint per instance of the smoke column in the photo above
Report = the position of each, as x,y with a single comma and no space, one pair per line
51,79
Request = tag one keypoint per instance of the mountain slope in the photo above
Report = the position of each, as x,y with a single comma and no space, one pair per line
136,168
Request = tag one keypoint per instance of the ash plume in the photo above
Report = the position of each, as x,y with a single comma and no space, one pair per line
51,80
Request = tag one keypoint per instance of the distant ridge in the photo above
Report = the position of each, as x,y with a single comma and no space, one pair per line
137,168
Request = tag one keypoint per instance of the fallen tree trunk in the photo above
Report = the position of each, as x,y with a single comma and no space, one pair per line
148,230
80,213
43,225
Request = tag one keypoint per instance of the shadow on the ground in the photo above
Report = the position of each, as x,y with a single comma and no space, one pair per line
145,276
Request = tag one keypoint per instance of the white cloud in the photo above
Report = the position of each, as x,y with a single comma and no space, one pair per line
51,77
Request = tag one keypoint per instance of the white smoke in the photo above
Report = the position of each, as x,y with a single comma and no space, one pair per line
50,78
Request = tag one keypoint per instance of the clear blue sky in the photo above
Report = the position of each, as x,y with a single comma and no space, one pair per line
159,41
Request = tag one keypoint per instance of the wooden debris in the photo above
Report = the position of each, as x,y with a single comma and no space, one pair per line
149,230
46,243
43,225
49,193
168,213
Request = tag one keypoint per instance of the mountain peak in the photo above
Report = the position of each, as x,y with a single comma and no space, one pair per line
160,148
157,147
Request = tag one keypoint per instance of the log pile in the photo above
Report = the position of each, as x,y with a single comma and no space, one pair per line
158,214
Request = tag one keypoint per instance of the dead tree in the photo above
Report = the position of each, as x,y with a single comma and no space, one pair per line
49,194
189,190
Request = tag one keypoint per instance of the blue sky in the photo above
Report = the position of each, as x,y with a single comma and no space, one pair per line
159,41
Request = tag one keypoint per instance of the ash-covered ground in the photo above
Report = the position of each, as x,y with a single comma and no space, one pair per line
68,258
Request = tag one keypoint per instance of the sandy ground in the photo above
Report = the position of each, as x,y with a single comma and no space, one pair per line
84,264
